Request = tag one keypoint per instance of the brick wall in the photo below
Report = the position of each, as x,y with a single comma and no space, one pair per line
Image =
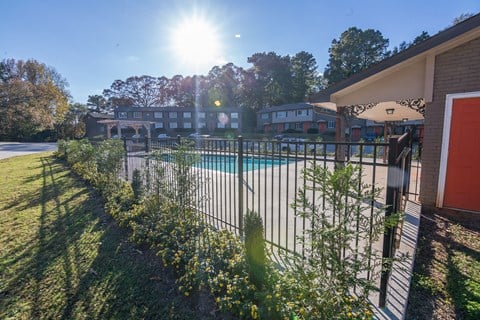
456,71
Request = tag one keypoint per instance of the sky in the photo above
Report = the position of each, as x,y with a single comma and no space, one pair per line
93,42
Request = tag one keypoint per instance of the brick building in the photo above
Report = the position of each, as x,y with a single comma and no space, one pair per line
438,80
304,117
94,129
175,120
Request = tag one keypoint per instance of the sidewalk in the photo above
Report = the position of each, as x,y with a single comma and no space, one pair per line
13,149
399,282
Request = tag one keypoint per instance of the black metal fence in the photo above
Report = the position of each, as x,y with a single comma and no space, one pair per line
235,175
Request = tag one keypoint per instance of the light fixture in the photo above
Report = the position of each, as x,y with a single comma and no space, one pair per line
405,119
390,111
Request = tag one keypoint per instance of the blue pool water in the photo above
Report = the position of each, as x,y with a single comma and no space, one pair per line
226,163
229,163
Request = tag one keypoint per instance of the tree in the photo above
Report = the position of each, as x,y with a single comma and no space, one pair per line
461,18
33,98
225,85
73,125
355,51
405,45
98,103
304,76
273,77
144,91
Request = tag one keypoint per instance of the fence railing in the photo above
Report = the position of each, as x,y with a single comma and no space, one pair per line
235,175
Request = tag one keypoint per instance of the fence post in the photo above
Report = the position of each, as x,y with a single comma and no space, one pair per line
126,157
240,184
147,145
391,207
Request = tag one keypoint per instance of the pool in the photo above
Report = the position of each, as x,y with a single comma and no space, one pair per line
229,163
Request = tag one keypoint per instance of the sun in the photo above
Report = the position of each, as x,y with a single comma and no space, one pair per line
195,41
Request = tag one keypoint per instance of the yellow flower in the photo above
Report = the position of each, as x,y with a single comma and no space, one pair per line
187,293
254,312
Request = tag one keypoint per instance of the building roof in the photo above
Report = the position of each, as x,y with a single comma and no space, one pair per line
98,115
178,109
292,106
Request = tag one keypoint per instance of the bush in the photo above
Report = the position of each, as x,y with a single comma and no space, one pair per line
137,185
240,276
255,248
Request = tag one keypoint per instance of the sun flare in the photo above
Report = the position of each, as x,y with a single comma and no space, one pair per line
196,42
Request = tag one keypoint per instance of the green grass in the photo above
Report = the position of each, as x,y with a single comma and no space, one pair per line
61,257
463,278
446,281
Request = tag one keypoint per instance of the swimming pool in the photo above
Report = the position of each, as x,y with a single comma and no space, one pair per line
229,163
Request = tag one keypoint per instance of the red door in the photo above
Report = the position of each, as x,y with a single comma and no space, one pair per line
306,126
462,181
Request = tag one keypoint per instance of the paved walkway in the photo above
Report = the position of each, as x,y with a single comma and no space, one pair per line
399,282
13,149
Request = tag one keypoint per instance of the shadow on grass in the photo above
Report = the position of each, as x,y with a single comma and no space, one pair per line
421,302
82,266
463,280
446,274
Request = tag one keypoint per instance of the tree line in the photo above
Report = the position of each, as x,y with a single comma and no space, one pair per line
271,80
34,98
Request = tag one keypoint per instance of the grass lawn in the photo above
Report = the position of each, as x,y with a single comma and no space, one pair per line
446,280
61,257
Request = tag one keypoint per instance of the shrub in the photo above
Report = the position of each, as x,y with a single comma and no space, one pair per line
137,185
330,282
255,248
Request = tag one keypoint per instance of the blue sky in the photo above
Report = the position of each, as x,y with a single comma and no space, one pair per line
93,43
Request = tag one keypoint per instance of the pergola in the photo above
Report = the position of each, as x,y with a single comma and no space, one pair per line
136,125
389,92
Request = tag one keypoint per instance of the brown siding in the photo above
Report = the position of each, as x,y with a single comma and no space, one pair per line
456,71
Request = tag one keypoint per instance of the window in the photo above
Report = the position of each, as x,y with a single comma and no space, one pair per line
202,124
187,125
201,115
187,114
265,116
331,124
302,113
220,125
173,125
281,114
158,125
137,115
234,125
122,115
172,115
298,125
234,115
158,114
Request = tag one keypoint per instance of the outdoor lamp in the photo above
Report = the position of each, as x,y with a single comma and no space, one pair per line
390,111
